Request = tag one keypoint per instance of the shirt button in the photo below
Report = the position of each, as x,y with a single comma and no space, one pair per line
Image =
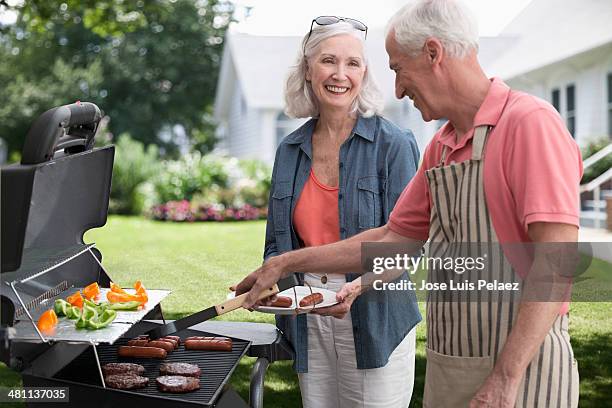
341,165
340,196
324,279
342,230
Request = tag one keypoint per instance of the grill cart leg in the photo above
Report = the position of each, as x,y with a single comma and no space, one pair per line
93,345
257,382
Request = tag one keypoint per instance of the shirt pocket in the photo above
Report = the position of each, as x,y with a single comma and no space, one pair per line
281,205
370,190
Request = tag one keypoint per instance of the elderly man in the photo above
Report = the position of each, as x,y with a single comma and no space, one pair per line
503,169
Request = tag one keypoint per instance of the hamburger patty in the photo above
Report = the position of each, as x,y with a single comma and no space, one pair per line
176,383
122,368
184,369
126,381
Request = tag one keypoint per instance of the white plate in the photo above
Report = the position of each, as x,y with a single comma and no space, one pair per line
329,299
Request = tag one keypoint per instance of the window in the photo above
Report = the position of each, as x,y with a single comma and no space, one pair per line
243,106
286,125
570,109
556,99
283,127
610,105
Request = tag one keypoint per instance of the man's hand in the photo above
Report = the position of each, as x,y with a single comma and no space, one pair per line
256,282
345,298
497,391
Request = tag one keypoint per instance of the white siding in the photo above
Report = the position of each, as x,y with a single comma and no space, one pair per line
588,72
243,133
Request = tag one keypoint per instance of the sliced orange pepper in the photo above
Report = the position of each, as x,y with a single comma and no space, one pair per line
115,297
91,291
116,288
47,321
75,299
140,290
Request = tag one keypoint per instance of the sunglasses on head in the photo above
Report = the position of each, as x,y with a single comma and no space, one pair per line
329,20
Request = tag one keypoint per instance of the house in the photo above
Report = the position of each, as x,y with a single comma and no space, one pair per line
559,50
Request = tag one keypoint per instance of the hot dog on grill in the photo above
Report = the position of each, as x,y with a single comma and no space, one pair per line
311,300
141,352
208,343
282,301
167,345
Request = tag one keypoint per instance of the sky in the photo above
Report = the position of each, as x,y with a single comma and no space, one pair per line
291,17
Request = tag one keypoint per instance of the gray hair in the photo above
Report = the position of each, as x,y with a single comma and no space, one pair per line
450,21
300,100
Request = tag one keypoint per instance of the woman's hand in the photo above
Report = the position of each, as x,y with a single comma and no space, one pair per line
345,297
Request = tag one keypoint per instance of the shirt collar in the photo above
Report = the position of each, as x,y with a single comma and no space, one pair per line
364,127
488,114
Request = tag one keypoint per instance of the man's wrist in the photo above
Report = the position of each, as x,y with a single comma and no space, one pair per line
508,372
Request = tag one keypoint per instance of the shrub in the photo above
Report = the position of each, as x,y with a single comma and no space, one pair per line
133,166
192,173
602,165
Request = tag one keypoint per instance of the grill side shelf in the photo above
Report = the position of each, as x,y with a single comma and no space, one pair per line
66,330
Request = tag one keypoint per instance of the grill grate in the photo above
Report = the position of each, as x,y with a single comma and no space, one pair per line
216,367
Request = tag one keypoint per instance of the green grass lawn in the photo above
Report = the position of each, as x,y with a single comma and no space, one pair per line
199,261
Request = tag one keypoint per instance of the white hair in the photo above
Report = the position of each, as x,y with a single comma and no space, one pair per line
300,99
450,21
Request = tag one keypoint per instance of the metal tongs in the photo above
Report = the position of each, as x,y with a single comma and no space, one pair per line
218,310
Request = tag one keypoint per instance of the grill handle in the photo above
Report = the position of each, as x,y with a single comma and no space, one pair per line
70,127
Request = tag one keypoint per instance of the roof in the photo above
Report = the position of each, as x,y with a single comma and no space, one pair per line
259,65
545,32
549,31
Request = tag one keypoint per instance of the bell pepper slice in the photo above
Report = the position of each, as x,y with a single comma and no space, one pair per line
103,320
87,314
116,288
73,312
47,321
140,290
75,299
91,291
114,297
60,307
131,305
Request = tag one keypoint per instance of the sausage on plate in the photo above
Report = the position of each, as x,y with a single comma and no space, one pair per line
311,300
282,301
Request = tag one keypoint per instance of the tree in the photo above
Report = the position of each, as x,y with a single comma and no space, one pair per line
150,65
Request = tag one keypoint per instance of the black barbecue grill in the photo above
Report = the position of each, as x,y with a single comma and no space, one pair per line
59,191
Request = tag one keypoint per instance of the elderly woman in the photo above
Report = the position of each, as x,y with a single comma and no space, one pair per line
337,175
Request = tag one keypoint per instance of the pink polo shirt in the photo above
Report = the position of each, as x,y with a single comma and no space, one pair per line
532,168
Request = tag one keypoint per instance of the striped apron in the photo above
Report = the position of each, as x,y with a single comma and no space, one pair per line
464,337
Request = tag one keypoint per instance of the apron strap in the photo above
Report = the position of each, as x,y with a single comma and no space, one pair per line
443,157
478,145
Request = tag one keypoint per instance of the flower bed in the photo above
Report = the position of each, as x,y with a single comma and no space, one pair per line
184,211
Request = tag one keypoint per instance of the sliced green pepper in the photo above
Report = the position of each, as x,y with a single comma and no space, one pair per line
87,314
73,312
60,307
103,320
89,303
132,305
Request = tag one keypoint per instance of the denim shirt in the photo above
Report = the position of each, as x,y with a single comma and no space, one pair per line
376,162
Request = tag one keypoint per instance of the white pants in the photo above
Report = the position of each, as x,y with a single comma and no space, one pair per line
333,380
